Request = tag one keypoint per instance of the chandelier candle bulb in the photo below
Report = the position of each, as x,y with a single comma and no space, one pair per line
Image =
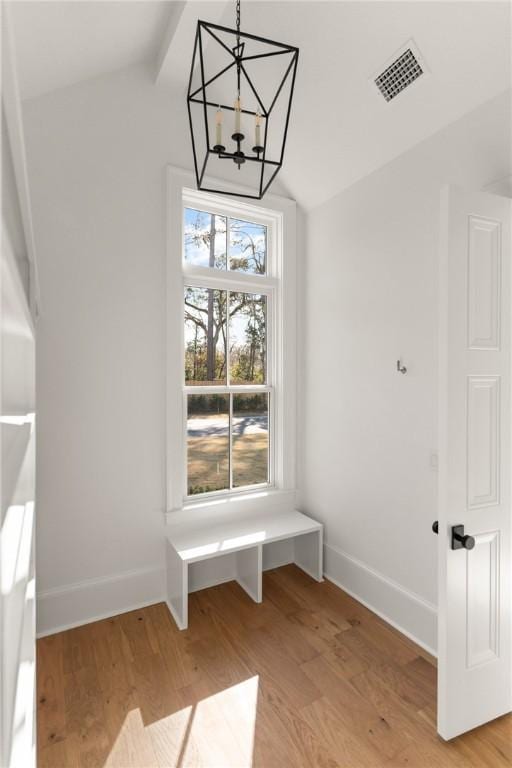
238,109
257,130
218,126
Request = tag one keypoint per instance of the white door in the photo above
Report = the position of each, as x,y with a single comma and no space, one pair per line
474,633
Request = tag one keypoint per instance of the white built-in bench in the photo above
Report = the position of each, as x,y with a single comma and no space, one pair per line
243,539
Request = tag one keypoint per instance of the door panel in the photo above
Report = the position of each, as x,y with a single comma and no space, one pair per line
483,424
484,272
482,600
474,648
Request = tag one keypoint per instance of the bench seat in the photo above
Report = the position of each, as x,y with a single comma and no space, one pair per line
244,537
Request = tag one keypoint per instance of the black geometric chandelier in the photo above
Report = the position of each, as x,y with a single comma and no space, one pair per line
239,99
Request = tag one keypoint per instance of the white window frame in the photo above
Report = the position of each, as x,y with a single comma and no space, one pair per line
278,214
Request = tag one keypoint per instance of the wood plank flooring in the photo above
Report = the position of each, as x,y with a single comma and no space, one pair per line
309,678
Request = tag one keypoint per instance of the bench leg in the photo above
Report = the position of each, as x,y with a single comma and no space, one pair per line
309,554
177,587
249,567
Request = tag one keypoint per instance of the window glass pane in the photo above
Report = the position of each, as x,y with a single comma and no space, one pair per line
205,239
247,338
205,336
250,439
207,443
247,247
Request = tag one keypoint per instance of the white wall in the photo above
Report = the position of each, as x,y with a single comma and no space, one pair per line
368,432
97,154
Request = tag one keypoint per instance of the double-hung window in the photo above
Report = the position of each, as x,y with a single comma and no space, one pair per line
228,319
231,350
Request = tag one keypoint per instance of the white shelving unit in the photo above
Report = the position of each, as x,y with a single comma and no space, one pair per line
19,297
17,588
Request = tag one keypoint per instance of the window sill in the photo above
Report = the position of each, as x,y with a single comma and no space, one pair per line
260,501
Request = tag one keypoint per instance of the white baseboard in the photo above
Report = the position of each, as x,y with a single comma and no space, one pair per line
219,570
211,573
94,599
406,611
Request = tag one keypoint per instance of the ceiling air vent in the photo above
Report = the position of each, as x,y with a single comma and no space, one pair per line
403,71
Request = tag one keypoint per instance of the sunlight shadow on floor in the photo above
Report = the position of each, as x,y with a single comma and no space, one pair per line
217,730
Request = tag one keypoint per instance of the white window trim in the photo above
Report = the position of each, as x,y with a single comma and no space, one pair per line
281,284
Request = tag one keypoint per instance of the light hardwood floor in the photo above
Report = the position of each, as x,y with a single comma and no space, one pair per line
308,678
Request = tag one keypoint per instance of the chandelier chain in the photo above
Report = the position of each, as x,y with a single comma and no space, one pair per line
238,47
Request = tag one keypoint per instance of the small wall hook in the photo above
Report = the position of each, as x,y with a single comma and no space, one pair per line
400,368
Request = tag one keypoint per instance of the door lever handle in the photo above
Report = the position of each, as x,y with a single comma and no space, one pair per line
461,541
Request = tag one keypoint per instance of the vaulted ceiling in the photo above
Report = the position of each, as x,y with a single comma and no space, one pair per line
61,43
342,129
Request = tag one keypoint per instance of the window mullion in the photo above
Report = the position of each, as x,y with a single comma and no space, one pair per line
228,233
203,277
228,364
228,374
231,441
223,390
